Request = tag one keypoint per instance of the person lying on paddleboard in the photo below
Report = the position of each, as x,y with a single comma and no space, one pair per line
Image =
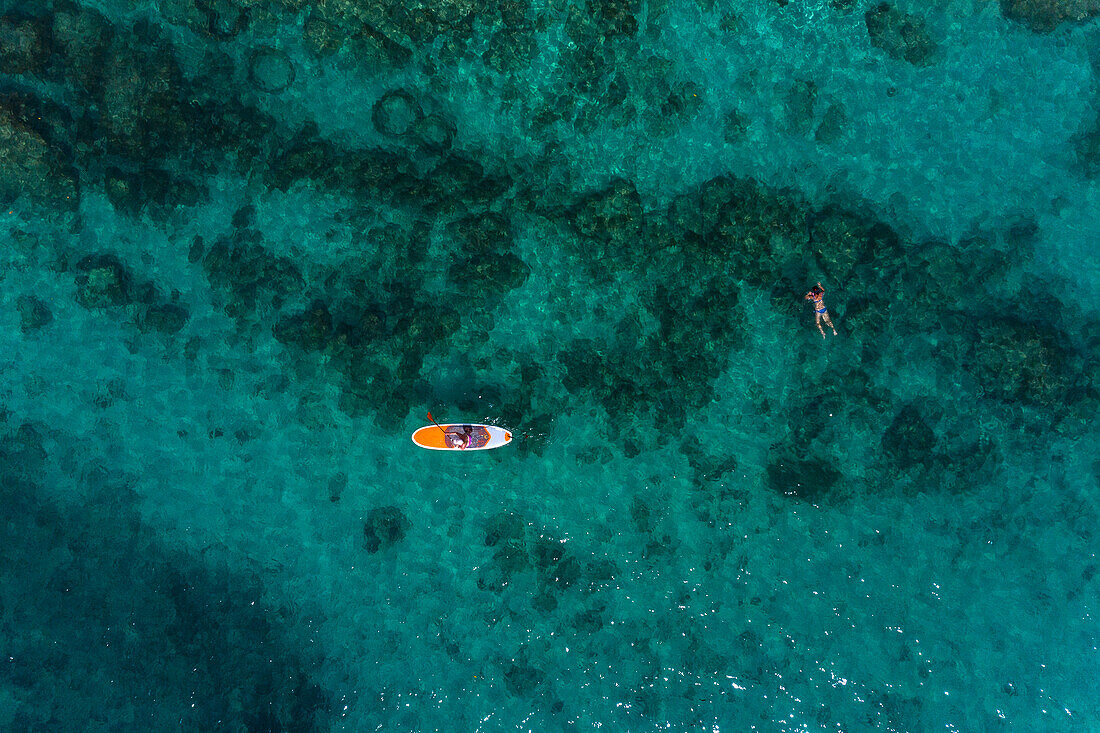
817,296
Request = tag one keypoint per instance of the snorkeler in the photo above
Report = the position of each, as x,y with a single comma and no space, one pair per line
816,296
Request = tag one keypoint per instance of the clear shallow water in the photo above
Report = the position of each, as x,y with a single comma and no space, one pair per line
247,247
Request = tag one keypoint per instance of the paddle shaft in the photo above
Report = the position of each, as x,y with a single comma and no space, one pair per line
435,423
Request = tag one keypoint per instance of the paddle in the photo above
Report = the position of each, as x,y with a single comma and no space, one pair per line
437,424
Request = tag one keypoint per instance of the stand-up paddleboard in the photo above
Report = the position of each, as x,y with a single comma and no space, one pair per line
482,437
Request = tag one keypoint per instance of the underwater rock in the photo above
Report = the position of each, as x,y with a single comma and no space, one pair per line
103,281
30,166
1014,361
760,232
322,37
225,19
832,124
948,274
482,235
1087,147
138,96
459,183
901,35
546,552
666,106
81,39
385,526
434,133
511,48
840,241
909,441
683,101
563,575
132,193
310,330
613,216
641,515
503,528
599,574
1043,16
615,17
734,127
627,379
544,602
270,70
395,113
240,265
25,44
799,107
33,313
509,559
216,133
479,277
797,476
196,251
522,680
167,318
358,326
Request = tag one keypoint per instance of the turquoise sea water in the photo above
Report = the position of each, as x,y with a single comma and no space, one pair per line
249,244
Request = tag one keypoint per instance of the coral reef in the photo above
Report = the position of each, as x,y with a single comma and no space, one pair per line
1043,16
901,35
385,527
32,164
103,281
34,313
270,70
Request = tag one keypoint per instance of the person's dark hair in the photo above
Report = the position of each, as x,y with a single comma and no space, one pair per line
817,289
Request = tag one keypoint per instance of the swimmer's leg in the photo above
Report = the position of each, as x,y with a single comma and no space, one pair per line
817,320
829,323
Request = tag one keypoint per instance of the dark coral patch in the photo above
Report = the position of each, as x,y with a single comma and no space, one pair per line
241,266
103,281
25,44
33,313
523,680
909,441
901,35
832,124
270,70
224,19
1043,16
810,478
1015,361
385,527
396,113
1087,147
485,265
434,133
502,528
154,190
841,240
311,330
167,318
35,154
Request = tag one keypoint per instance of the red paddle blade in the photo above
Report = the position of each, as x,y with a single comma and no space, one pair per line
435,423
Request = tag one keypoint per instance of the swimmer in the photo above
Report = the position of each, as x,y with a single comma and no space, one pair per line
816,296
